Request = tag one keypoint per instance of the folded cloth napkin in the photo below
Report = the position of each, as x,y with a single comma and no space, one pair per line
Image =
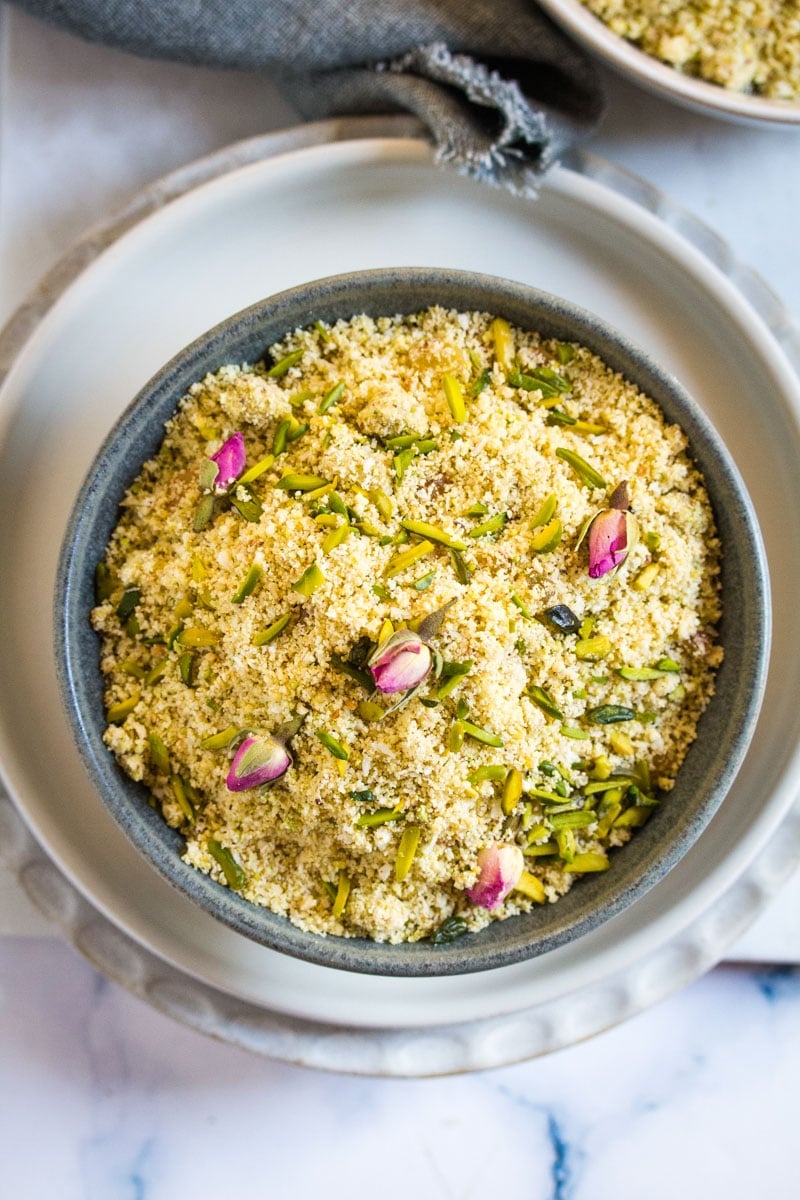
502,91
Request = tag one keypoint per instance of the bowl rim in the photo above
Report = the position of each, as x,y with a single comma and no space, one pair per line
259,923
659,77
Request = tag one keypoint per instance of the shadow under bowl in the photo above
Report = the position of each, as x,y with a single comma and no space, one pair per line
724,730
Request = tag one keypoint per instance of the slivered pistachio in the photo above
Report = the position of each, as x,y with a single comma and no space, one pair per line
369,711
481,735
588,428
590,860
343,886
134,669
381,592
159,756
640,674
572,820
235,874
455,738
300,483
196,638
668,664
645,579
492,771
249,584
494,525
183,801
479,383
402,461
451,675
265,636
219,741
333,745
463,573
584,470
546,513
512,791
407,558
187,668
335,538
203,513
311,579
633,818
156,671
281,436
323,332
331,397
592,649
433,534
565,841
541,849
557,416
503,341
545,702
278,369
577,735
130,598
523,608
477,510
401,442
382,503
547,538
454,393
184,608
424,582
364,796
406,851
118,712
620,743
381,816
565,353
530,886
609,714
104,585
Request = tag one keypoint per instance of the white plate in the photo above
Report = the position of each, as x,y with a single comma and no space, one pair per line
666,82
311,212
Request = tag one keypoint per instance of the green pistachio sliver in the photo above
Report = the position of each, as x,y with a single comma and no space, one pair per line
159,756
546,513
335,537
187,667
134,669
547,538
196,638
587,862
407,558
610,714
118,712
531,382
512,791
311,579
523,608
449,931
381,592
588,428
300,483
572,820
452,677
479,383
426,445
678,693
577,735
633,818
424,582
382,503
156,671
477,510
557,416
402,461
540,849
590,649
265,636
456,737
463,573
278,369
183,801
103,582
381,816
330,398
330,743
219,741
401,442
432,534
481,735
249,584
668,664
565,841
130,598
364,796
614,782
281,436
454,394
322,331
343,886
235,875
545,702
494,525
544,794
584,470
564,353
492,771
406,851
369,711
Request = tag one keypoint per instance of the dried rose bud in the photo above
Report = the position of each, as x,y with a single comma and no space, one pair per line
612,534
258,760
230,459
500,868
401,662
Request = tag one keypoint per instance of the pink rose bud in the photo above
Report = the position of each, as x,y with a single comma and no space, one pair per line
401,662
613,533
499,869
258,760
230,459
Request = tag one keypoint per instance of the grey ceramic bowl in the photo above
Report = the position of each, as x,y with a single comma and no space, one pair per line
725,728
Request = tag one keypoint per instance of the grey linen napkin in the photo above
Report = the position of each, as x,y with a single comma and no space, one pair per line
502,91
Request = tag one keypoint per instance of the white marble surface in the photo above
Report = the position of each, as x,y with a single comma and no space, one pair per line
694,1097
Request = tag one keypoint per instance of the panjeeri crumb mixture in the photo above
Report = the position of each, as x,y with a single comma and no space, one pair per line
406,627
743,45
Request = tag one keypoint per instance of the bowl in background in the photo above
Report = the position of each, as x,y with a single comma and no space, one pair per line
724,730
